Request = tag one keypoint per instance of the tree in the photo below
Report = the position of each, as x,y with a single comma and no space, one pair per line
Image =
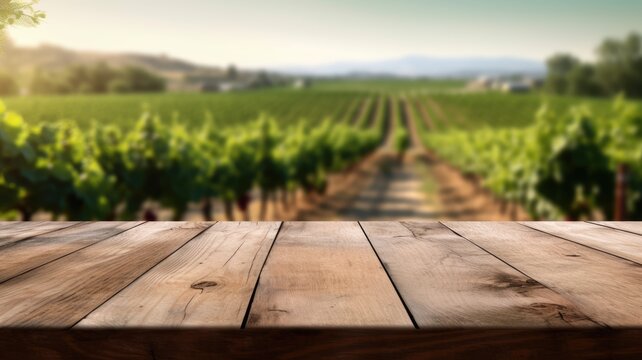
44,82
8,85
78,79
136,79
100,76
231,73
560,67
17,12
619,65
582,80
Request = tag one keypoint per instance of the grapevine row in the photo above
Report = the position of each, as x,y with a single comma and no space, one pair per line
108,173
563,166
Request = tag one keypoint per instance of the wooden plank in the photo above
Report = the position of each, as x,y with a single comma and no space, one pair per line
359,343
619,243
325,274
605,288
36,251
446,281
62,292
15,231
630,226
207,282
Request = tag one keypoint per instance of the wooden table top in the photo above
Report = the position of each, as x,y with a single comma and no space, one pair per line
402,275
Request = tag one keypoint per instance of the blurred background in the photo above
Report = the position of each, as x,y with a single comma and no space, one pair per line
320,110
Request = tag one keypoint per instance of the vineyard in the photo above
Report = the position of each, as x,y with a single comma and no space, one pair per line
110,171
564,165
227,109
110,156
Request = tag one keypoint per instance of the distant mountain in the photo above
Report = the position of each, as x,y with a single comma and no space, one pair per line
412,66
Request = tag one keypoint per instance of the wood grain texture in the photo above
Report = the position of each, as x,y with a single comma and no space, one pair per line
207,282
332,344
605,288
630,226
62,292
12,232
447,281
38,250
616,242
325,274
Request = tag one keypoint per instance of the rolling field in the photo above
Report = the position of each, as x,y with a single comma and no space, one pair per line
390,85
190,109
337,99
469,111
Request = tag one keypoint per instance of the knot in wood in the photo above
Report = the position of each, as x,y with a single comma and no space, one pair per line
203,284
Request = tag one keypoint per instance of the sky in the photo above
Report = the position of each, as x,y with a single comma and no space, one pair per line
274,33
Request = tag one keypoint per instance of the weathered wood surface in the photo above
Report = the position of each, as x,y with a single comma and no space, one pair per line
207,282
435,276
325,274
606,288
12,232
448,281
38,250
630,226
609,240
62,292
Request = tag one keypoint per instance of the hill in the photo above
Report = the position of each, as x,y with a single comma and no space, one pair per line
180,74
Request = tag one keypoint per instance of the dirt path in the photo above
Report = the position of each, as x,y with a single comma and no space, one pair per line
421,187
389,189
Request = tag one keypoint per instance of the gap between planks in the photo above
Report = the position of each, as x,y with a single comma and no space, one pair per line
91,275
447,281
394,285
581,274
207,282
612,241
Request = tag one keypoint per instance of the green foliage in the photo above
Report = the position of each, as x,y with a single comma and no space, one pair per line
401,136
230,109
471,111
582,80
619,65
618,70
17,12
622,134
389,85
567,75
50,168
56,168
562,166
95,79
560,66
